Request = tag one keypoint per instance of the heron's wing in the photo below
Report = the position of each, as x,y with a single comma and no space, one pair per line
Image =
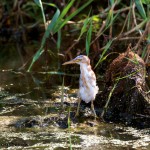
84,82
92,79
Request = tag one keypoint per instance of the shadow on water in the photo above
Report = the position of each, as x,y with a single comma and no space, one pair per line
32,116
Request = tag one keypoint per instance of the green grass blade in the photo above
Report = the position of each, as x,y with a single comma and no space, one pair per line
50,4
147,2
64,12
107,46
58,40
109,19
129,18
84,28
145,49
108,24
52,23
88,38
111,2
36,56
144,52
55,25
59,73
62,23
46,35
129,75
140,8
135,61
108,100
39,3
66,9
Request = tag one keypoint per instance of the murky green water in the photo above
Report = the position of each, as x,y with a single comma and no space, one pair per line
32,117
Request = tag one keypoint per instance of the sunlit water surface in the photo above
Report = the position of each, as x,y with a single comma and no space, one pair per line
36,112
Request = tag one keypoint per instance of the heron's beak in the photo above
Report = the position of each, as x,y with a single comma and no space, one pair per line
71,61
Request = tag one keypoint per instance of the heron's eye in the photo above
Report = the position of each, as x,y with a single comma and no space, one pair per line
78,60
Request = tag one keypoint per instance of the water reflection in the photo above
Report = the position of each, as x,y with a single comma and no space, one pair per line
32,116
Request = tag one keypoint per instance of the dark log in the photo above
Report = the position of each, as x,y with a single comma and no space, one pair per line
130,97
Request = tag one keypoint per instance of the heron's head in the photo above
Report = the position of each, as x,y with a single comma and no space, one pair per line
81,59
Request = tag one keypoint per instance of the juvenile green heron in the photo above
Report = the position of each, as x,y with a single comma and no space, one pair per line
87,84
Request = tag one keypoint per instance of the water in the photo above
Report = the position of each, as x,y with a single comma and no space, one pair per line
32,117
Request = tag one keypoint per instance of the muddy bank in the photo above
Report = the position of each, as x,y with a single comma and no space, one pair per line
33,117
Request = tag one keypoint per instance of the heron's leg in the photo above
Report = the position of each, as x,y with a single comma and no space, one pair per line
92,107
77,112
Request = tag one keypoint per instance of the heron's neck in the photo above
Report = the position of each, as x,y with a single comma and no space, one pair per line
85,68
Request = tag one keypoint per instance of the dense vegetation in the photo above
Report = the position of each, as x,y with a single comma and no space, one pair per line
68,28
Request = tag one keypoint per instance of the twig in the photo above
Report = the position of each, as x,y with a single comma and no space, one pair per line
111,26
104,14
68,50
100,30
135,28
134,18
142,37
117,38
147,57
128,38
98,34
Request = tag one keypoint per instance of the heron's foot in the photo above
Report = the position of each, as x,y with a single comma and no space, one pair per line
92,107
77,112
95,117
94,114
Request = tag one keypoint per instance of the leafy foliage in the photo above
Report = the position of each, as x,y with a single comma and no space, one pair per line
95,28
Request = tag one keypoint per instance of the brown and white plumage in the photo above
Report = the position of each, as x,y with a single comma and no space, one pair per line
87,84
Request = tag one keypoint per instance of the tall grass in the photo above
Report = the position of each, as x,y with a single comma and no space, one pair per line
57,23
120,22
88,38
135,22
39,3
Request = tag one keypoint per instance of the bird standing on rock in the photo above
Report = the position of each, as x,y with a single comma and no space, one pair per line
87,83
